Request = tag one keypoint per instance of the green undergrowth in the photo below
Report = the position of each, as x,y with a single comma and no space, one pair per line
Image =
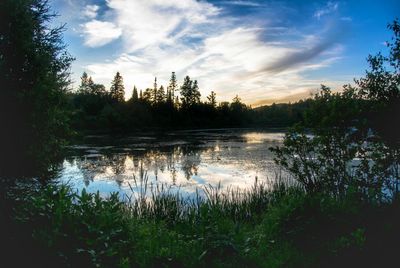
262,227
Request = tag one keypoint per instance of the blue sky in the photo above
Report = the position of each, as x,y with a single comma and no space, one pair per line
264,51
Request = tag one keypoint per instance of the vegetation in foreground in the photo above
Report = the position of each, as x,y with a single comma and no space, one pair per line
263,227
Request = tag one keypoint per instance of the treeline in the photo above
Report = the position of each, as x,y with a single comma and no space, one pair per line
96,109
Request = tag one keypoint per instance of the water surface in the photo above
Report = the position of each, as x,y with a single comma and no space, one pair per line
183,160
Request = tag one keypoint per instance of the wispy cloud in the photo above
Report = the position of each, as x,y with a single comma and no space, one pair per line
330,7
193,37
242,3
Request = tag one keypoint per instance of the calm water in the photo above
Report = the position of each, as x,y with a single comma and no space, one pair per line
184,159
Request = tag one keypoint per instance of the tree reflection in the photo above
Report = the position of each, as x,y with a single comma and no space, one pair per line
120,167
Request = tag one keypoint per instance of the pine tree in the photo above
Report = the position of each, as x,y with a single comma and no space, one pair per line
161,95
212,99
173,85
117,90
186,92
148,95
169,97
84,86
195,94
135,96
154,92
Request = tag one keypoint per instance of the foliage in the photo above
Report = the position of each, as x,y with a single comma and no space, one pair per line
351,144
34,68
153,108
272,226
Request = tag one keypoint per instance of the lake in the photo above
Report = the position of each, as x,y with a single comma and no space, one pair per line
181,160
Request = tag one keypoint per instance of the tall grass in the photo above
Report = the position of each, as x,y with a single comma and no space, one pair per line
268,225
165,202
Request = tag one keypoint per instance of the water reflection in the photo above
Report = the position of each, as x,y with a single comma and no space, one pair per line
184,159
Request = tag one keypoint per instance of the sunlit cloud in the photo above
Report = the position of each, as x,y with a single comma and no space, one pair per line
198,39
98,33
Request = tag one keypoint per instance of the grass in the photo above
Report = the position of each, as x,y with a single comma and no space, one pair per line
265,226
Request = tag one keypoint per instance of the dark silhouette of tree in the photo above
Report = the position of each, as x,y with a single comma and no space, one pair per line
190,94
173,86
154,92
170,99
212,99
85,83
34,67
195,94
161,97
101,112
148,95
186,92
117,90
98,89
135,96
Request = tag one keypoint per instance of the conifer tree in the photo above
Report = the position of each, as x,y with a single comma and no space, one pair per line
148,95
154,92
117,90
173,85
212,99
160,95
34,68
195,93
135,96
169,96
84,86
186,92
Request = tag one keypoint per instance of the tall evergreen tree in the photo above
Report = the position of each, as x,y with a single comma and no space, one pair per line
186,92
84,86
212,99
154,92
195,94
135,96
34,68
161,97
148,95
169,97
173,85
117,90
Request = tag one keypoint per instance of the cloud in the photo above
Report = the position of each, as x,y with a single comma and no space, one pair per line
90,11
98,33
330,7
242,3
192,38
313,46
157,22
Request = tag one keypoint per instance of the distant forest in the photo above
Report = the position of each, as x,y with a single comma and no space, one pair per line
93,108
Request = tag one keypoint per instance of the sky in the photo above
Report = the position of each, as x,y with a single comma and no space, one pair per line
264,51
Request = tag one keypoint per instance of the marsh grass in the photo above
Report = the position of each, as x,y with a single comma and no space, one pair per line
268,225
